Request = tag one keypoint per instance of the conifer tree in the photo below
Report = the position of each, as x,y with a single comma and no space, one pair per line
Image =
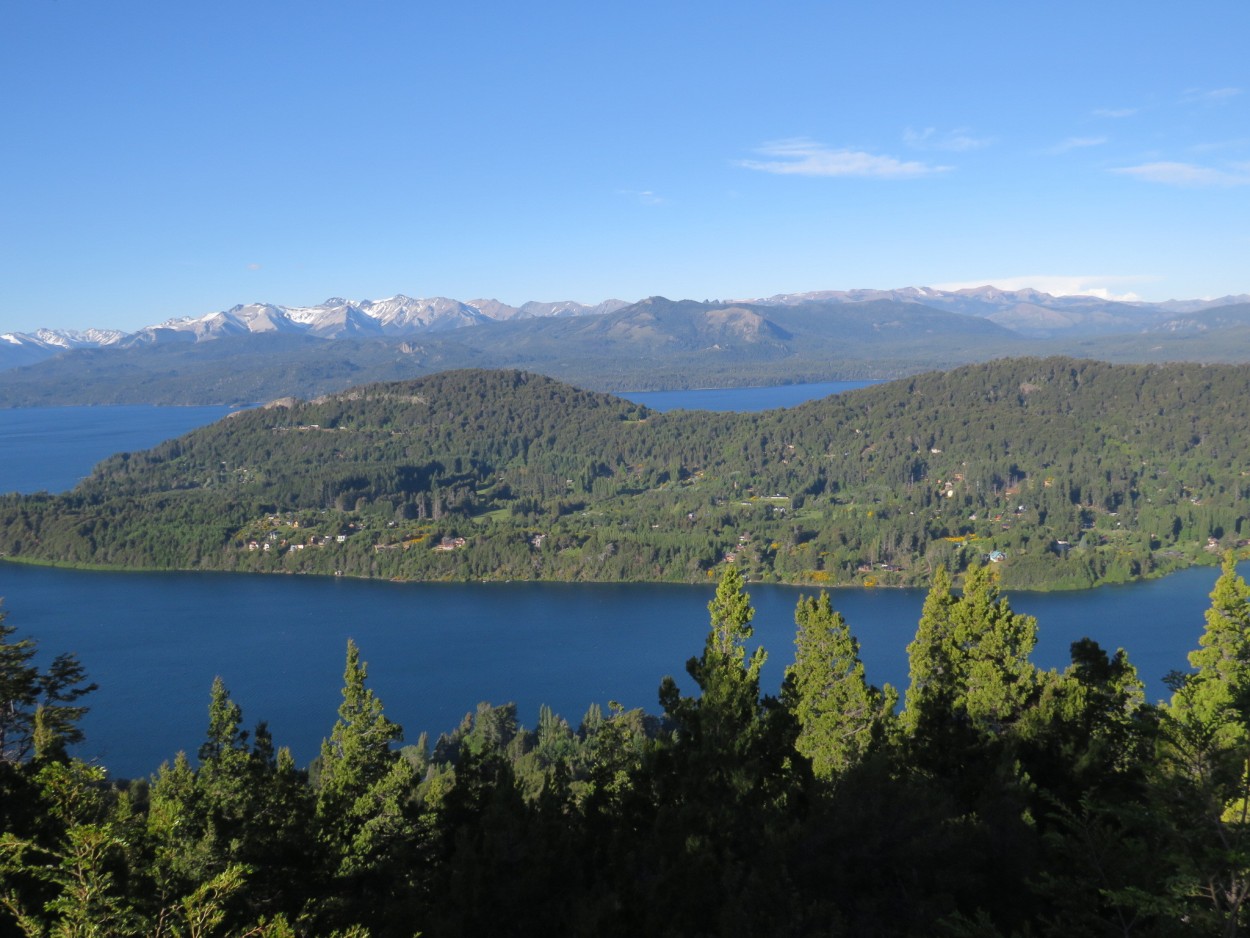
840,715
730,683
39,712
931,655
363,811
993,646
1221,663
1204,784
970,658
19,689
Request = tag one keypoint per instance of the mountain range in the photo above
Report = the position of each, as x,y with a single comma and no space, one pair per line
336,318
259,351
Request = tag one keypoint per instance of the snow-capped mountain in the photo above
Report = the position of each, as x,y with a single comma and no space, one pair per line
64,338
1027,312
337,317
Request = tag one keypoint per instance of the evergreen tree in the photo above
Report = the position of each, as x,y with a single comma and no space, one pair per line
840,715
729,682
243,808
19,690
39,713
970,658
722,785
1203,788
363,810
997,680
1221,678
931,656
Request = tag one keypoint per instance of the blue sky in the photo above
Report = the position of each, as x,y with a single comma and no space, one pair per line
170,159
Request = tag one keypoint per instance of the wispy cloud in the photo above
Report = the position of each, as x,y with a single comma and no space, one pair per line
1210,95
1217,145
802,157
253,266
1077,143
1116,113
952,141
1102,286
1189,175
645,196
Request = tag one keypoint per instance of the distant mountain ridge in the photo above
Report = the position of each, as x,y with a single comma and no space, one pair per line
336,318
1027,312
260,351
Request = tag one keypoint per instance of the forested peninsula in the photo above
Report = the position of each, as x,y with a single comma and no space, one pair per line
1002,801
1062,473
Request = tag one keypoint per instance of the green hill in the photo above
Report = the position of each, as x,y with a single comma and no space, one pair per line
1063,472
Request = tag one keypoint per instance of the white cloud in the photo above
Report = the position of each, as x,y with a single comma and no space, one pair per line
1216,145
802,157
1188,174
1210,96
953,141
1101,286
1116,112
1077,143
645,196
253,266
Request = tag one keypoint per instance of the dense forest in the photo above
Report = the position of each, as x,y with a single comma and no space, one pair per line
1061,472
1000,800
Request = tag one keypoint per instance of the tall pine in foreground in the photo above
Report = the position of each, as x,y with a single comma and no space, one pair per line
840,715
723,786
970,658
364,814
1203,786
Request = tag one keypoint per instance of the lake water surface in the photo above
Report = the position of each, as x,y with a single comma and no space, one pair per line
52,448
154,642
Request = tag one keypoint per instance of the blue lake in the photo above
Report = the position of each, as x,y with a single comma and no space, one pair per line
154,642
742,399
52,448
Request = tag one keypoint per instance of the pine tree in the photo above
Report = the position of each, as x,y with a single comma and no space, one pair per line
19,690
931,655
970,658
1222,661
39,713
721,718
363,808
840,715
994,644
1203,789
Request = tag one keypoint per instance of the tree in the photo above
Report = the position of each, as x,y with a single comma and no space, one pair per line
244,807
840,715
19,691
931,655
363,811
993,644
1222,660
39,713
1204,783
79,866
730,683
724,781
970,658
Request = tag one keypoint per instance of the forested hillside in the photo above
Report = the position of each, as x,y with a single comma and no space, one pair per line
1063,473
1000,801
